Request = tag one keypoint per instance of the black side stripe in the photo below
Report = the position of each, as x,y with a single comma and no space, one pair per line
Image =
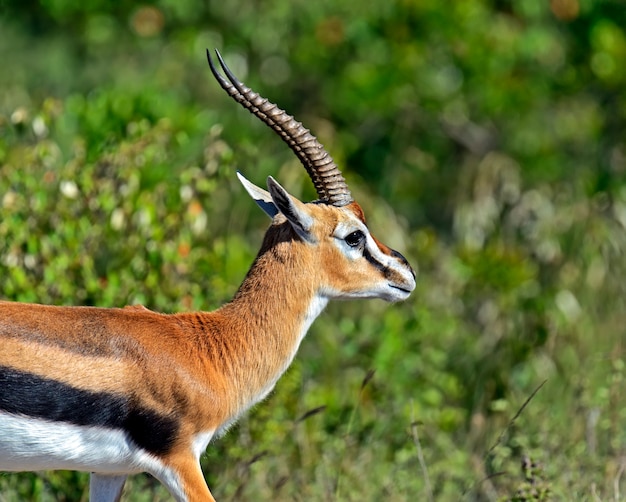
34,396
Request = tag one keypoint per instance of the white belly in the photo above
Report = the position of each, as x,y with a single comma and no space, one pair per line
31,444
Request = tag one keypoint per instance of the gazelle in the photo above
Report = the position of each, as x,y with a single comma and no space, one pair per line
122,391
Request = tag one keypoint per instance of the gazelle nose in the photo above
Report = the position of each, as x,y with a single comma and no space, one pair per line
401,257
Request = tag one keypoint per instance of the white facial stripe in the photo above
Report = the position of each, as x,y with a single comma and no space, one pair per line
347,227
396,280
393,263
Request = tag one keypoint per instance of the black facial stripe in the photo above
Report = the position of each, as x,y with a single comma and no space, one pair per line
34,396
373,261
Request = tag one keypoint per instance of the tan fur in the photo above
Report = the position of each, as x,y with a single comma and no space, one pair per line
204,368
120,391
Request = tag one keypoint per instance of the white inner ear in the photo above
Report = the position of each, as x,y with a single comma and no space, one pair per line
260,196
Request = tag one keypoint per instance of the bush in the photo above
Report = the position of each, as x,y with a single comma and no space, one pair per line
485,139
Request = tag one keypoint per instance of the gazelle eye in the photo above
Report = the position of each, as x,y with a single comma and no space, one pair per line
355,238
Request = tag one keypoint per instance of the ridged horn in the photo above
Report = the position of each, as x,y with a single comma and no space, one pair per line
330,185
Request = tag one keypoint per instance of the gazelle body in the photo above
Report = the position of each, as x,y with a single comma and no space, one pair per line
121,391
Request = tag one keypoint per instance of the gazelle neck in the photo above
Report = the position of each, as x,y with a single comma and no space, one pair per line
269,315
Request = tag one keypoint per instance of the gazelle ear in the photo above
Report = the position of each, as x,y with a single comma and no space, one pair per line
260,196
294,210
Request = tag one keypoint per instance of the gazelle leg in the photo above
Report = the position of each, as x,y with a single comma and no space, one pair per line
185,481
106,487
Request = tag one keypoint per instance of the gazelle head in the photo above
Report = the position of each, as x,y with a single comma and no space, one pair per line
351,261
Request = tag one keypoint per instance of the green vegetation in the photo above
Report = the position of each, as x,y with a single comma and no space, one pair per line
485,140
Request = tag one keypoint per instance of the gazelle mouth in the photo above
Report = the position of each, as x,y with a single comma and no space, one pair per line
404,290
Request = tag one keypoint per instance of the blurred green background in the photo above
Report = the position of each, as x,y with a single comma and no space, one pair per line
485,140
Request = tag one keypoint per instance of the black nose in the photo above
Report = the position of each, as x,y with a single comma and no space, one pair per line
401,257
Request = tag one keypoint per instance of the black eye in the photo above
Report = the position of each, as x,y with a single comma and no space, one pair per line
355,238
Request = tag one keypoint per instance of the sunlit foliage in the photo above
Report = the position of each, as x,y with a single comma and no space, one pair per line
484,139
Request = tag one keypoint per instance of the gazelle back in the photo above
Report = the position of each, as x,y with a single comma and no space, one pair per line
121,391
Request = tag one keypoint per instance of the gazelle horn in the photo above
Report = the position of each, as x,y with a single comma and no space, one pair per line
330,185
